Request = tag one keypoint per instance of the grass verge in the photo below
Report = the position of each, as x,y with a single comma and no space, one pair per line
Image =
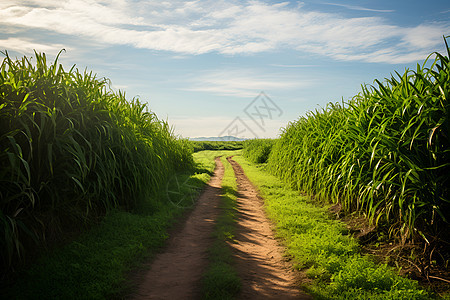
322,247
97,263
221,280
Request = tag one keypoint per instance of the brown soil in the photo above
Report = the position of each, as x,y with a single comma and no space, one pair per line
176,273
265,274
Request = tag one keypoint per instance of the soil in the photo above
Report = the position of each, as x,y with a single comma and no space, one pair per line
265,274
259,260
176,273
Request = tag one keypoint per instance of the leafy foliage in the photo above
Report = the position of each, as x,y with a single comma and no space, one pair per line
96,264
322,246
216,145
385,152
71,149
258,150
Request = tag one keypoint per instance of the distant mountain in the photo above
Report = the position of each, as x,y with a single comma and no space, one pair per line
217,138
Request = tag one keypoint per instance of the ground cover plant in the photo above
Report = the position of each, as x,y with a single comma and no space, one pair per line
385,153
323,247
97,263
221,280
71,149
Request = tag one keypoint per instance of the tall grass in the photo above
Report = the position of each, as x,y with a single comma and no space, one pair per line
71,149
216,145
322,247
385,152
258,150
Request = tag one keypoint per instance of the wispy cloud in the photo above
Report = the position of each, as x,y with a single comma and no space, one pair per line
229,28
24,46
361,8
293,66
244,83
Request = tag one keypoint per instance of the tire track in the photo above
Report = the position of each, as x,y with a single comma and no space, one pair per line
258,256
176,273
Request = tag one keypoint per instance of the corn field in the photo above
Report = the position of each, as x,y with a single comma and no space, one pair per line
71,149
385,152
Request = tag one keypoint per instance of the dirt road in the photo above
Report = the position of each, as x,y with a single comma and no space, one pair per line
176,273
259,260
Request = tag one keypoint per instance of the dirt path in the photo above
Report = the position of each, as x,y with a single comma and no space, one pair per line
176,273
258,256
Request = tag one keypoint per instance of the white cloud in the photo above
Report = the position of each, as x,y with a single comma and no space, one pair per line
389,54
423,36
230,28
26,46
245,83
293,66
357,7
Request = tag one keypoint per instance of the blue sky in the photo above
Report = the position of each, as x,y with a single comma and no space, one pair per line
202,65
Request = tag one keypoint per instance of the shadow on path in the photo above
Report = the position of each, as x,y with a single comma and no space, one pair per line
264,272
176,273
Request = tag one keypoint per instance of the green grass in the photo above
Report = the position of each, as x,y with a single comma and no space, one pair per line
221,280
322,247
96,265
205,160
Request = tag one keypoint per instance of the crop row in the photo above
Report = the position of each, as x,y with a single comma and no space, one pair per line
384,153
71,149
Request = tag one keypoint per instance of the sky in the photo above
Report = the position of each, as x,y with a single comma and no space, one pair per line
241,68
